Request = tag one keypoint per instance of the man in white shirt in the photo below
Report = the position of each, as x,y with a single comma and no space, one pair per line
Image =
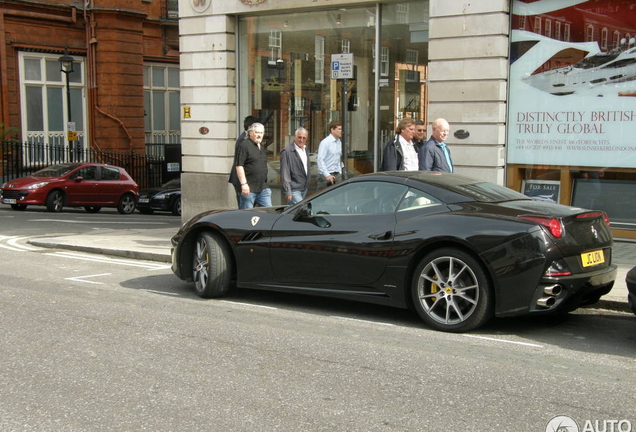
295,168
330,157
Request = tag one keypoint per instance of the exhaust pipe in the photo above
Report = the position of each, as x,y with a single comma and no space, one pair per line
546,302
553,290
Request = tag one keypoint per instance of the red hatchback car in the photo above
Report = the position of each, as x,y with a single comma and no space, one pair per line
88,185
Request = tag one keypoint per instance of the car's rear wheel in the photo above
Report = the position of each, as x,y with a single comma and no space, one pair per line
92,209
451,291
19,207
126,204
55,201
211,266
176,207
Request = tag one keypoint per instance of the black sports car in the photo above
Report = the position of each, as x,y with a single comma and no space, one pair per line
458,250
164,198
630,281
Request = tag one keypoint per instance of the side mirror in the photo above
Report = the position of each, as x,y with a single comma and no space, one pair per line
303,212
79,179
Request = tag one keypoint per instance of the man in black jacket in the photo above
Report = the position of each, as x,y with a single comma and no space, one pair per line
295,168
399,153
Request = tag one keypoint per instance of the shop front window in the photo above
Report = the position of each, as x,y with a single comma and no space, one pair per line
572,110
285,76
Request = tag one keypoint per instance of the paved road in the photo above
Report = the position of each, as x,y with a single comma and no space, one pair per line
99,343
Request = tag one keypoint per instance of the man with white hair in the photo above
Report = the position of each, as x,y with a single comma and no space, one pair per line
295,168
251,169
434,155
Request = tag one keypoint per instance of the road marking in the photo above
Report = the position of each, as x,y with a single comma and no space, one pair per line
12,248
81,278
364,321
248,304
149,266
504,341
13,242
160,292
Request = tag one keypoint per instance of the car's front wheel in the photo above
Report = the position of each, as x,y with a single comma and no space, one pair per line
176,207
211,266
92,209
55,201
126,204
18,207
451,291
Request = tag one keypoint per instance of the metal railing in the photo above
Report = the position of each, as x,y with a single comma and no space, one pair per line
18,159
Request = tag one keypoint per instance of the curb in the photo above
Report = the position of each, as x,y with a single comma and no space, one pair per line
148,256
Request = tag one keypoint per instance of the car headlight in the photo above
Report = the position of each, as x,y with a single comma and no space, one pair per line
36,185
162,196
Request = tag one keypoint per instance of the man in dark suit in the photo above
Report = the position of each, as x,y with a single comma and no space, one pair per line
434,155
295,168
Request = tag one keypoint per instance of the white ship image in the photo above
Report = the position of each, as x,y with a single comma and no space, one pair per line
598,70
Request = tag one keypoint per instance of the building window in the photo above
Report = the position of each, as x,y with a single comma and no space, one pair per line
522,22
412,56
45,104
617,39
346,46
548,28
172,9
384,61
537,25
402,12
319,68
604,37
566,33
557,30
275,46
162,104
589,33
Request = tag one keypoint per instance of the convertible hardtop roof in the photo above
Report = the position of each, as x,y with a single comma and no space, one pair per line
430,177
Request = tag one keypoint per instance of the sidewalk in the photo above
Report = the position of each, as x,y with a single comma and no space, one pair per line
154,245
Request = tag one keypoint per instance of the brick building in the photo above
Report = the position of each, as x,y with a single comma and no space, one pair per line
123,90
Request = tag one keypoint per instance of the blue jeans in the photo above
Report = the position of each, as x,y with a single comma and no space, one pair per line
297,196
262,199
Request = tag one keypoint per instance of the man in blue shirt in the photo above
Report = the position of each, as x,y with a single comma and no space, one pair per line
330,157
434,155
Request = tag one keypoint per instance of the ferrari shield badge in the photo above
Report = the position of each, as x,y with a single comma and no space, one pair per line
255,220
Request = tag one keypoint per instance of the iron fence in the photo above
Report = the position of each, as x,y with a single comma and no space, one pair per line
18,159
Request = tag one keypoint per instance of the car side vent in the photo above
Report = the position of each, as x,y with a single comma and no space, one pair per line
251,237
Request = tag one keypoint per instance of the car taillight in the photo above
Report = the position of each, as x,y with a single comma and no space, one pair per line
593,215
552,224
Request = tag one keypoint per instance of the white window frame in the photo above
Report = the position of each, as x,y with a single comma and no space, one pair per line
384,61
617,39
604,37
566,33
537,25
589,33
345,46
275,46
166,135
319,67
548,28
46,136
412,56
557,30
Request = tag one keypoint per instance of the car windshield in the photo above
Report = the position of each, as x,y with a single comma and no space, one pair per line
55,170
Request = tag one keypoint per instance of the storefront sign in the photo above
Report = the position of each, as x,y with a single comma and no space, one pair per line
542,190
573,84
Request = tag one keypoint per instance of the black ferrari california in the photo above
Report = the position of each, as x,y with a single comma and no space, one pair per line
456,249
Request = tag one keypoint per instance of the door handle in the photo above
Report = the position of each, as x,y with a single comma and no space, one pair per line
382,236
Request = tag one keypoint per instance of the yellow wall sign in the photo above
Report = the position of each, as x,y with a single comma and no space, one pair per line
72,136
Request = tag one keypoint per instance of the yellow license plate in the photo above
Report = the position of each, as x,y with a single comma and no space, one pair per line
592,258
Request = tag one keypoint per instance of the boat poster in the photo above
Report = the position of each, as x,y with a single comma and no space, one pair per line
573,83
